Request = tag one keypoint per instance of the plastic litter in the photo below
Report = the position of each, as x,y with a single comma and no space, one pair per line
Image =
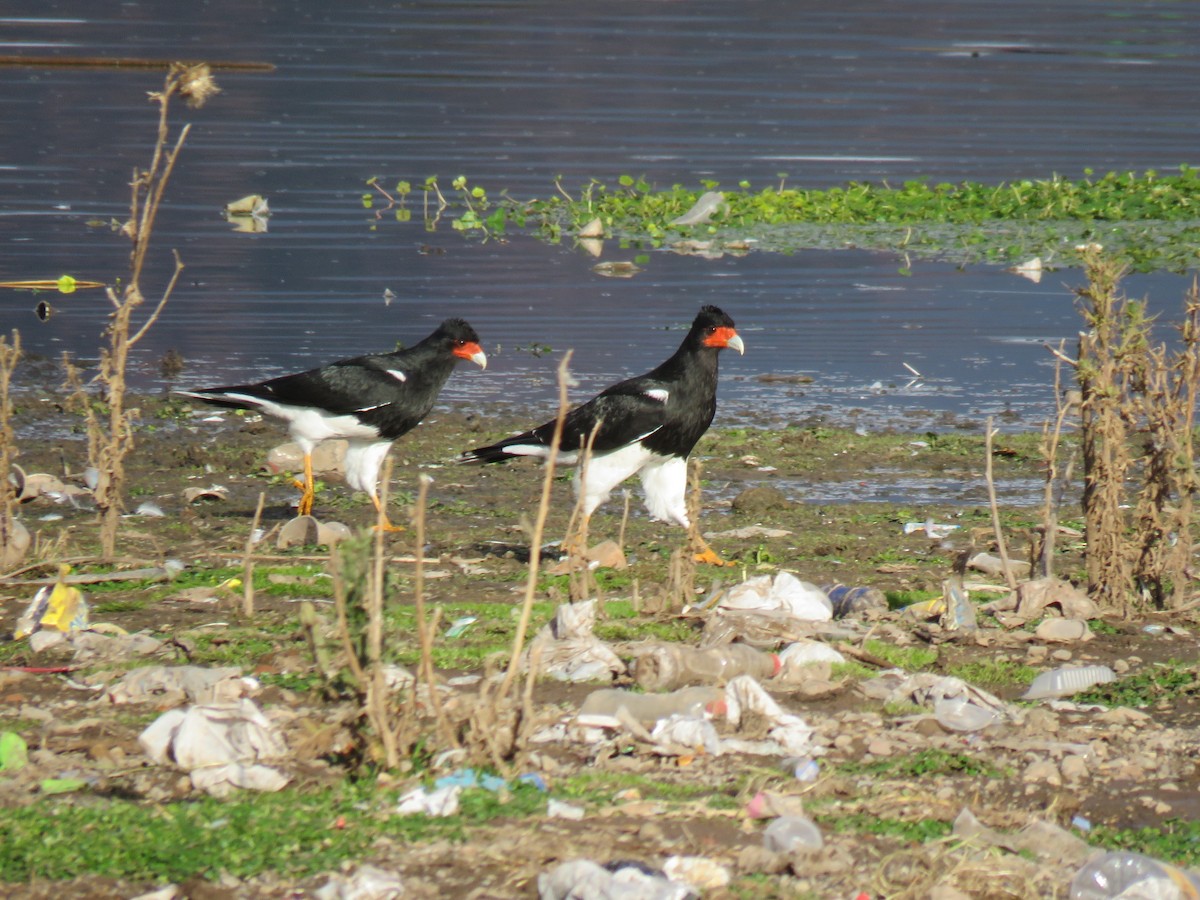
14,752
851,601
789,833
367,883
582,878
698,871
1068,680
557,809
664,667
59,606
438,803
568,651
173,685
785,591
933,530
993,565
702,210
220,745
1131,875
959,615
650,708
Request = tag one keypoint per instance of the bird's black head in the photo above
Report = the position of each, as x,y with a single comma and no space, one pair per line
461,340
714,328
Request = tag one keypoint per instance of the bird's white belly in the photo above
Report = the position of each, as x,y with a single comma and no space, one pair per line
315,425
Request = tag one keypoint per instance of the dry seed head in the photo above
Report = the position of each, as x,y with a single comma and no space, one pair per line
196,84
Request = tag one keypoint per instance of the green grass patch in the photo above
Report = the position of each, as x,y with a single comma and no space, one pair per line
923,764
919,832
994,673
911,659
290,833
1163,682
1175,840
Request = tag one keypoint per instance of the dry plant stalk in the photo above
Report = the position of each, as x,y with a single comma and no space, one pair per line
539,527
998,532
248,560
10,355
109,444
1042,556
426,630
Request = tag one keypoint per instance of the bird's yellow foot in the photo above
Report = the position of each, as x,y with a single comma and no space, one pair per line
709,556
387,526
305,505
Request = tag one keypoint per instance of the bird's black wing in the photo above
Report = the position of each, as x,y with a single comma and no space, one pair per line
623,414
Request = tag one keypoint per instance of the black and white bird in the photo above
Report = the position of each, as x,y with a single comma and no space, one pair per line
369,401
646,425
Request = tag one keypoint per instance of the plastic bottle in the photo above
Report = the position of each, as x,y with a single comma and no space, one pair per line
788,833
669,666
848,600
1126,874
650,708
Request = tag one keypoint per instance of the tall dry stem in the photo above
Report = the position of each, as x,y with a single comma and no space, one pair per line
1056,480
10,550
539,528
112,441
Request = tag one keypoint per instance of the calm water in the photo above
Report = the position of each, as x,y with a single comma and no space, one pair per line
514,94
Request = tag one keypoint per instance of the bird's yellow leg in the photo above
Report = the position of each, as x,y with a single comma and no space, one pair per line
705,553
383,523
305,505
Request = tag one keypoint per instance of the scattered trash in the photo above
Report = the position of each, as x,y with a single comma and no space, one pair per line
1063,631
957,705
169,686
59,606
438,803
213,492
706,206
582,878
1123,873
459,626
367,883
1031,269
557,809
800,654
804,768
248,214
852,601
994,565
219,745
648,709
664,667
568,651
783,592
150,509
1037,838
14,752
1068,680
787,734
307,531
933,530
790,833
959,614
465,778
698,871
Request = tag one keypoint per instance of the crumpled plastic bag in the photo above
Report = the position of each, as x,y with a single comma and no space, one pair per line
789,735
367,883
568,651
59,606
219,745
582,879
438,803
956,704
173,685
782,592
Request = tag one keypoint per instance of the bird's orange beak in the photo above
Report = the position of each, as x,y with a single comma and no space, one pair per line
473,352
725,337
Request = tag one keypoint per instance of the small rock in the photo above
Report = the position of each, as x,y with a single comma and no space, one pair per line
880,747
1043,770
1061,655
1063,631
761,499
1074,768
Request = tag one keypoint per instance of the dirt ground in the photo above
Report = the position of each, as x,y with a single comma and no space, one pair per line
1051,763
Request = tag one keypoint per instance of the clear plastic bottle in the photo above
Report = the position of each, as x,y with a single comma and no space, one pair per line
788,833
669,666
650,708
1133,876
